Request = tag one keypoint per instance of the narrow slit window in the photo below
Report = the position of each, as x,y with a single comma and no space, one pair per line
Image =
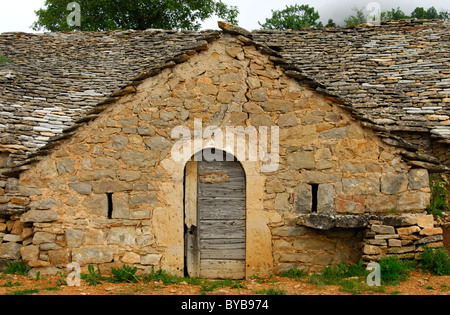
315,190
110,205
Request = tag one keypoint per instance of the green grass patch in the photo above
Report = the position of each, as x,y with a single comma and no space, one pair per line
24,292
294,273
16,268
4,59
436,261
271,291
394,270
440,193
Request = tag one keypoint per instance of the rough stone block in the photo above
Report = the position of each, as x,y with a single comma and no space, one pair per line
301,160
12,238
284,231
59,257
325,199
151,259
93,255
122,236
372,250
425,221
43,237
39,216
282,202
30,253
395,243
274,186
81,188
418,178
336,133
10,251
303,198
431,231
65,166
394,183
131,258
361,186
408,230
288,120
383,229
413,201
74,238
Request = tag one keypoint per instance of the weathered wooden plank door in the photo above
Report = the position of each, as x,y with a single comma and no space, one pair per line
216,244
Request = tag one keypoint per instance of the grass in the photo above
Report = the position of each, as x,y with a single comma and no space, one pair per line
394,270
16,268
436,261
351,278
440,194
294,273
4,59
271,291
24,292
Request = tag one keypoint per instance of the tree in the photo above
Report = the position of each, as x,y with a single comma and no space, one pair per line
393,15
293,17
331,23
431,13
103,15
359,18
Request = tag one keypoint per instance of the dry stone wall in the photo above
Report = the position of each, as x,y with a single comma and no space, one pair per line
111,194
405,238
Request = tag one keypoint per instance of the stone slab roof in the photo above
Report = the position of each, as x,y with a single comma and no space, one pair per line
395,77
56,79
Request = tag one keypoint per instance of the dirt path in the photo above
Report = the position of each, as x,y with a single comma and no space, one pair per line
418,284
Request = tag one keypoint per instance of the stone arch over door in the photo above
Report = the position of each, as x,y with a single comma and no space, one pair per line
215,216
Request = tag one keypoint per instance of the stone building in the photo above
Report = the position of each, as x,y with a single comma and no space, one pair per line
111,147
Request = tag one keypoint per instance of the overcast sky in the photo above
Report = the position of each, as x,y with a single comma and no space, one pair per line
18,15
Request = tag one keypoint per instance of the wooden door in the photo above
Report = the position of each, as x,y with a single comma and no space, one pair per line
216,243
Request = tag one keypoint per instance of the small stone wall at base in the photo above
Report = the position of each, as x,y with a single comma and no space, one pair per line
405,240
13,236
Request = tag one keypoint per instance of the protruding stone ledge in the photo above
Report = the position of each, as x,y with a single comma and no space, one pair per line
329,221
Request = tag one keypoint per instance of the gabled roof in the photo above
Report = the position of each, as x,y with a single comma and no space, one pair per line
395,77
56,79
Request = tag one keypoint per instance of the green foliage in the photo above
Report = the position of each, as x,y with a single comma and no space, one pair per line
161,276
4,59
440,193
394,270
398,14
437,261
209,285
294,273
61,279
10,284
93,277
271,291
123,275
16,268
335,274
293,17
393,15
331,23
421,13
104,15
357,19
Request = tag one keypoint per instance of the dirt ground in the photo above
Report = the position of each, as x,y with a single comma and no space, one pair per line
418,284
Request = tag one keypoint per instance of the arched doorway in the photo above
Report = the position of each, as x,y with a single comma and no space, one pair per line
215,218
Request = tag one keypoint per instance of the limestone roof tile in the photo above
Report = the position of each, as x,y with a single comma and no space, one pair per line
394,77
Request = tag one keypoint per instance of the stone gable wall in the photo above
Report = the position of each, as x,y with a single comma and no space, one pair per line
124,158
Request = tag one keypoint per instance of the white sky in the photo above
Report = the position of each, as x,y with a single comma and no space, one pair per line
18,15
